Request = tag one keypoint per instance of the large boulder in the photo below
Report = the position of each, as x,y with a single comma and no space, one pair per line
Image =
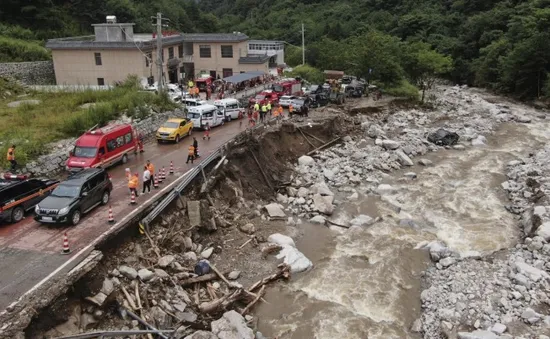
297,261
281,240
321,188
232,326
275,211
390,144
323,204
306,160
128,272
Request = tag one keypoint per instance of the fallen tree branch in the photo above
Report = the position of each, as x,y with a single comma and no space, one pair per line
128,298
249,240
262,170
220,304
243,312
309,142
335,224
153,245
202,278
313,136
221,276
324,146
284,272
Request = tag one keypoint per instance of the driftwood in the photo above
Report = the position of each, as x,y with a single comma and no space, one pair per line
323,146
222,303
262,171
153,245
309,142
249,240
313,136
335,224
128,298
202,278
221,276
284,272
262,290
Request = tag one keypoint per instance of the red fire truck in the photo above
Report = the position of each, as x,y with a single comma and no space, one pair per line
288,87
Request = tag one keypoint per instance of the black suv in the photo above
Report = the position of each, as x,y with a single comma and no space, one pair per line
77,195
19,194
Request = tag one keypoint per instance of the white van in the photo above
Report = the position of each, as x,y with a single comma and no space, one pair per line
191,102
203,114
231,107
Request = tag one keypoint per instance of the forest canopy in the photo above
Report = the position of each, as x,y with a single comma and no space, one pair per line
501,45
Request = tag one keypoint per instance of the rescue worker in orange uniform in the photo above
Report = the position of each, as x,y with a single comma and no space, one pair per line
10,156
290,109
276,114
133,184
151,169
191,154
281,112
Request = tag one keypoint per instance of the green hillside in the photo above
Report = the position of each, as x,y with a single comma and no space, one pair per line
502,45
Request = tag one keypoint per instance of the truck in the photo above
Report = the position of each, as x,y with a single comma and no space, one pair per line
288,86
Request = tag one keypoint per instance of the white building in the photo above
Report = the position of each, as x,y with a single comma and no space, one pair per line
274,49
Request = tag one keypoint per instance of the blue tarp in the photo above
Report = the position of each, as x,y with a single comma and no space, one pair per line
243,77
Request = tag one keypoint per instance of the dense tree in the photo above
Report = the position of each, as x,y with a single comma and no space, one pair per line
499,44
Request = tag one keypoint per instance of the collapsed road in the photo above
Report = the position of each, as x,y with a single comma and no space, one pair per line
369,273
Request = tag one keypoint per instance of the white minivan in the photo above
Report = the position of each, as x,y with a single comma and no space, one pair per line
203,114
190,102
231,107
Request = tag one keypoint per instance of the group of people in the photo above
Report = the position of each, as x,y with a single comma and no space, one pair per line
148,178
257,112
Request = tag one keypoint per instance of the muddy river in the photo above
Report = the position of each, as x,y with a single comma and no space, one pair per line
366,283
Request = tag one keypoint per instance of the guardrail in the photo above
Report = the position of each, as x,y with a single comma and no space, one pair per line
190,175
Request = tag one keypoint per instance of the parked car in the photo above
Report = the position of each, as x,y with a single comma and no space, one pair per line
174,130
18,194
301,105
74,197
103,147
200,115
191,102
231,108
286,100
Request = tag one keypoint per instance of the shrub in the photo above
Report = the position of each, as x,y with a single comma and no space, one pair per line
404,89
15,50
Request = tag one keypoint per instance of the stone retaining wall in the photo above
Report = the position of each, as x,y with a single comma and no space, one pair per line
29,73
53,163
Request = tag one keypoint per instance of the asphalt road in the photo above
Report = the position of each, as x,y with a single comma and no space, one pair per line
30,251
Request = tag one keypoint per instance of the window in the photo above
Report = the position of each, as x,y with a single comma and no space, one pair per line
227,72
95,181
97,59
170,53
227,51
101,151
111,145
148,59
120,141
183,123
204,51
180,52
128,138
100,82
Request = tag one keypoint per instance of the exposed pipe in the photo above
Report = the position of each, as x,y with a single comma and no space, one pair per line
111,334
141,321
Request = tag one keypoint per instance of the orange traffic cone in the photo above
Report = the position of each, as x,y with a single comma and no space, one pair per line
160,177
133,198
156,181
111,219
171,167
163,173
66,249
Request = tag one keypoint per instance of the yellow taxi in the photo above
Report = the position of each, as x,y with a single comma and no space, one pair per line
174,130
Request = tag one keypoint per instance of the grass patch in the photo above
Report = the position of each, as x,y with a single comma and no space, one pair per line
60,116
16,50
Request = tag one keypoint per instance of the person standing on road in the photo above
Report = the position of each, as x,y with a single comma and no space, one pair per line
269,108
151,169
263,112
256,107
190,154
133,184
208,93
281,111
146,180
196,146
206,132
11,158
290,110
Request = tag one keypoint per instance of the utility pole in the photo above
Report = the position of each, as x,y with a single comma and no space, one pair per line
303,46
159,52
